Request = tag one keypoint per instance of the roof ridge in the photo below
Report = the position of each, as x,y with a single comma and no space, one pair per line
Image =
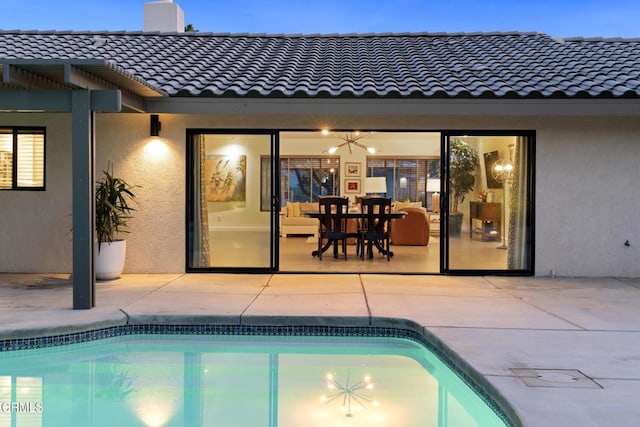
283,35
599,39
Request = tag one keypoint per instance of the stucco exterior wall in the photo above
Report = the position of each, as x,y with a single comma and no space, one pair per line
587,194
588,198
35,226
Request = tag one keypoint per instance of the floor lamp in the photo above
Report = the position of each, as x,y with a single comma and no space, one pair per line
433,186
501,172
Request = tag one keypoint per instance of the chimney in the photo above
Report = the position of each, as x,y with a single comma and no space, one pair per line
164,16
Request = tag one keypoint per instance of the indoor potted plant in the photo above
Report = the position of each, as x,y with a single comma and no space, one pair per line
462,166
113,212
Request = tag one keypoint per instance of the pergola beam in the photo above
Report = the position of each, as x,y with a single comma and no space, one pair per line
19,77
79,78
57,100
67,76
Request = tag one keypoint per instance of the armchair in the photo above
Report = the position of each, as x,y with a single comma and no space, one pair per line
412,230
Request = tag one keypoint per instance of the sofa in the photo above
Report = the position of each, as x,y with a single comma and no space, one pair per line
293,221
412,230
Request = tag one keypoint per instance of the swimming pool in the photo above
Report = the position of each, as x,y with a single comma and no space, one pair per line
294,379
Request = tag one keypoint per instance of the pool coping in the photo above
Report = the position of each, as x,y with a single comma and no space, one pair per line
123,324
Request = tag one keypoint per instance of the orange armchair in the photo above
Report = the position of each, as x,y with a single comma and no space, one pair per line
412,230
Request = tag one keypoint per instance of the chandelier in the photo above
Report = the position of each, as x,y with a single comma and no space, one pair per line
351,139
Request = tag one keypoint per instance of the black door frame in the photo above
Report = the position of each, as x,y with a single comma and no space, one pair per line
445,136
274,247
444,201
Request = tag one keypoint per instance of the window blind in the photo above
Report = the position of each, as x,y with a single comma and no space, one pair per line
406,177
6,158
30,162
22,163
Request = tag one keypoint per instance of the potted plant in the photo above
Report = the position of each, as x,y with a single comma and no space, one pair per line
462,166
113,212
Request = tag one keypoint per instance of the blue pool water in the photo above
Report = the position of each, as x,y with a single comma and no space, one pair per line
227,380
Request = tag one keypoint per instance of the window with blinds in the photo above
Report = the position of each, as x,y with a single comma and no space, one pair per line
22,159
305,179
406,177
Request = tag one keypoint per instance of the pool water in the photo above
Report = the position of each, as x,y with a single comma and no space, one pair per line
235,381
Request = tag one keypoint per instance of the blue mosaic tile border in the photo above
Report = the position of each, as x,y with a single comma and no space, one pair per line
292,330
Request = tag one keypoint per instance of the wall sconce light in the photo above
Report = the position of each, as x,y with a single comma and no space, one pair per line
155,126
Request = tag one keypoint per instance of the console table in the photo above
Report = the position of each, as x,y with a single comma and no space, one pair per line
486,212
434,223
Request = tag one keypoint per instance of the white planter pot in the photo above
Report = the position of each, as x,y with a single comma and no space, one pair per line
110,259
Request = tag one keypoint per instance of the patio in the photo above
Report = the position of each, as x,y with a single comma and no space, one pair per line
513,331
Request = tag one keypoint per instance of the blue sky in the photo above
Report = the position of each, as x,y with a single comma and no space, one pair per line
560,18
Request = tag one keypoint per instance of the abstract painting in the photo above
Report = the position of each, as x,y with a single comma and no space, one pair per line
226,178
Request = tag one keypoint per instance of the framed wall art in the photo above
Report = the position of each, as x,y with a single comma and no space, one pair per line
352,169
351,185
226,178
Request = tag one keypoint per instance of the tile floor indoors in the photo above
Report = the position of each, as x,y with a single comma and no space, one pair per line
252,249
564,352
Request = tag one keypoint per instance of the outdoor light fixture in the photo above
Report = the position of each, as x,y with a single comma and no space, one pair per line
155,126
348,392
350,140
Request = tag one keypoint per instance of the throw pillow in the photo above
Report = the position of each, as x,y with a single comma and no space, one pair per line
402,205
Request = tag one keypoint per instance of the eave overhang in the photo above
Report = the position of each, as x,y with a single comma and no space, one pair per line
476,107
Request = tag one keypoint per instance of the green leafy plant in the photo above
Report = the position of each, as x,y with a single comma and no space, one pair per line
113,211
464,161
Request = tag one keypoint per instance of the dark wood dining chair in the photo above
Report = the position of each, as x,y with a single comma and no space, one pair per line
333,223
375,226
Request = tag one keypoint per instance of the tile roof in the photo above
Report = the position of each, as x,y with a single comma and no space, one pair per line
464,65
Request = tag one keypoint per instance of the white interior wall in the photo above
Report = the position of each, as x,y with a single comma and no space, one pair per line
587,195
241,215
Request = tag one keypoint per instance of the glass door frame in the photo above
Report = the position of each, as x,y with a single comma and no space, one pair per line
274,151
445,136
445,267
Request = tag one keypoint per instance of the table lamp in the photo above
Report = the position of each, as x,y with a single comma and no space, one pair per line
433,186
377,184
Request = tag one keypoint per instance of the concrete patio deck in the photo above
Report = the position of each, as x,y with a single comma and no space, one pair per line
513,331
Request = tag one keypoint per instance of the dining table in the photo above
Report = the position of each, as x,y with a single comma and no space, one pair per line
357,216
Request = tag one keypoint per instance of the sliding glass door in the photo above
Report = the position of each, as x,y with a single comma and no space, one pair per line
489,190
473,193
230,208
